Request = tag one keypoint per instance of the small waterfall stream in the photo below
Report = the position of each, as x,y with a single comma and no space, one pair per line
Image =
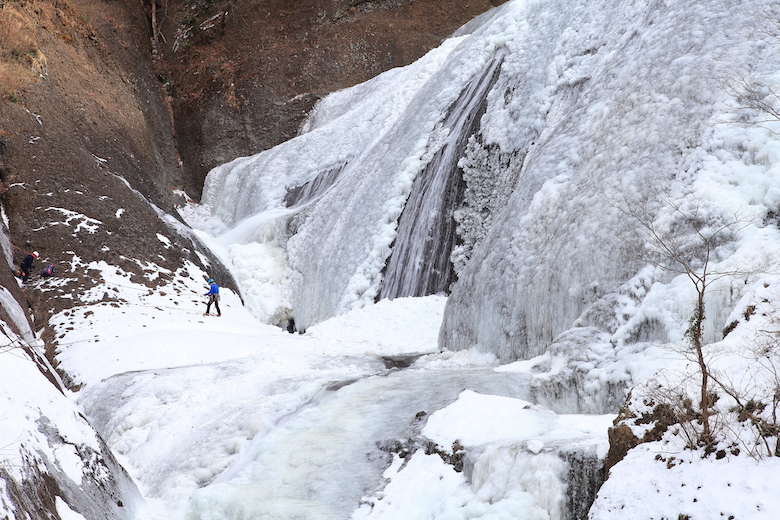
319,461
420,262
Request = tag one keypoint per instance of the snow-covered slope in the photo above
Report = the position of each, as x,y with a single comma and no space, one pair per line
52,463
231,418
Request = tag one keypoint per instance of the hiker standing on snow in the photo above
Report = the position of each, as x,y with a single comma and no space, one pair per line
27,265
213,296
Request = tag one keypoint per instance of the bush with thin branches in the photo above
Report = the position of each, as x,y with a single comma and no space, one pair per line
684,241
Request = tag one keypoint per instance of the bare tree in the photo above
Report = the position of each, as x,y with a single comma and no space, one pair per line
756,95
685,244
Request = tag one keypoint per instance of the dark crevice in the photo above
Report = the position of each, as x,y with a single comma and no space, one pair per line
420,263
392,362
314,189
585,476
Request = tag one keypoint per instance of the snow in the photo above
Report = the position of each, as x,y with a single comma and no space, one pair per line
646,487
421,318
208,414
65,512
44,430
421,491
607,120
84,223
493,418
25,402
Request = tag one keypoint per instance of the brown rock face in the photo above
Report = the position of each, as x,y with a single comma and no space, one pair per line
245,73
654,423
90,123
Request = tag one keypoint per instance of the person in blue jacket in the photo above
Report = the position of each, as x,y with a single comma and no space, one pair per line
213,296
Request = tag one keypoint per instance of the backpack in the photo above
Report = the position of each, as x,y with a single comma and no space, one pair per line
48,270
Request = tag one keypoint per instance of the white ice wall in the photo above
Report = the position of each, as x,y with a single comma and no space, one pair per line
634,92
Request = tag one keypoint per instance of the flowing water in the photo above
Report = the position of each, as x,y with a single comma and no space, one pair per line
319,462
420,262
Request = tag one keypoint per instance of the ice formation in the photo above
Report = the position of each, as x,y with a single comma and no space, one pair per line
520,160
557,167
536,164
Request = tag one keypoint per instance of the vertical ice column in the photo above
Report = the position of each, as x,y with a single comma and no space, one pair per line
420,262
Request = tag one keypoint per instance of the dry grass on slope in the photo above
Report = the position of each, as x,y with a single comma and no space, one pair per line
24,26
19,52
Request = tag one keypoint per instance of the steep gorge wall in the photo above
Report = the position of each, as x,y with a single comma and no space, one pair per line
85,150
243,75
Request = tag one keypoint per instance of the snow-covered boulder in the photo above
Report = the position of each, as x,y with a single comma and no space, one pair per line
52,463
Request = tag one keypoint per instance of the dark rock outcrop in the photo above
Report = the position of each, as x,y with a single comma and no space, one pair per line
244,74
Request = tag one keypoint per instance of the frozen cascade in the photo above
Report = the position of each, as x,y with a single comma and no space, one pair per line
620,125
563,479
251,451
337,247
420,261
585,475
597,104
252,229
316,446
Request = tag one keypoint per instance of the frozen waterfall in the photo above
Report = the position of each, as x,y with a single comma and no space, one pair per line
492,166
519,165
350,175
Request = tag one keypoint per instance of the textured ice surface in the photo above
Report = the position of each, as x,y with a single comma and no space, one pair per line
634,115
603,116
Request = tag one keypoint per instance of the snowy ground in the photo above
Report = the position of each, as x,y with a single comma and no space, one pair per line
227,417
